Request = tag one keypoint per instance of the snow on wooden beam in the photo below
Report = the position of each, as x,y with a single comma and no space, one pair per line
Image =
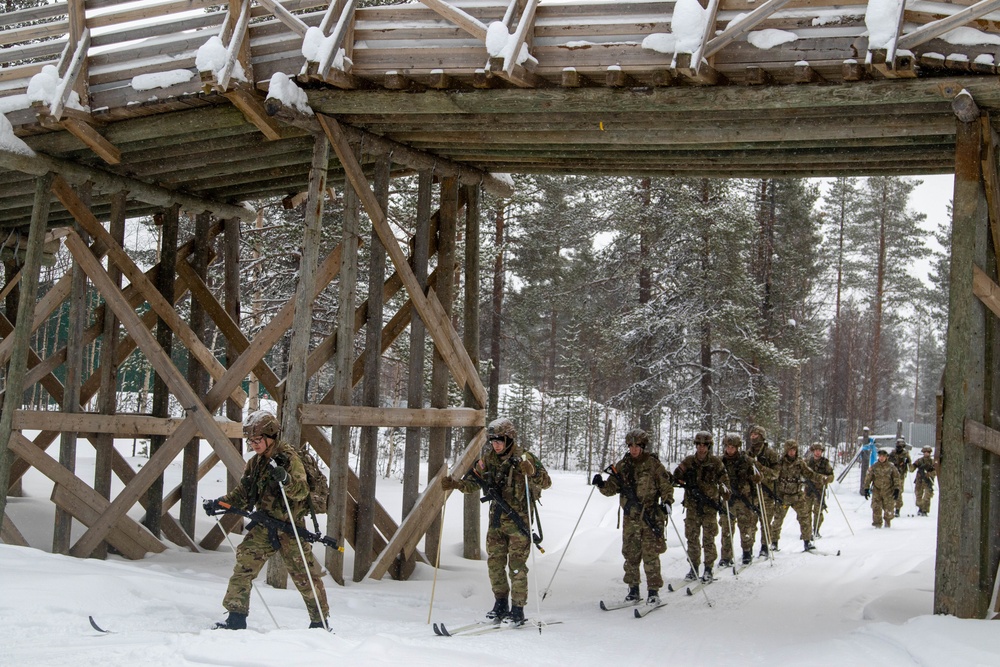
929,31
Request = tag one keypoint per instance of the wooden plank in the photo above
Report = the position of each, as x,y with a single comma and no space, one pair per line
356,415
120,425
73,506
123,526
426,510
525,24
337,37
293,22
986,290
250,104
76,66
429,308
93,139
736,29
982,436
929,31
9,534
459,17
234,47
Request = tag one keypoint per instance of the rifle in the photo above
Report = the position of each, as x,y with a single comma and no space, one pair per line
632,500
492,494
739,496
274,525
701,498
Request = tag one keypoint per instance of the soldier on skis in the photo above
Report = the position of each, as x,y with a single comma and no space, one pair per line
816,493
766,460
741,509
790,474
646,491
504,467
706,485
274,464
923,484
900,458
882,487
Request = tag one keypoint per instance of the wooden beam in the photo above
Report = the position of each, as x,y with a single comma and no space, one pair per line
250,104
40,164
986,290
357,415
67,83
525,24
737,29
929,31
982,436
9,534
428,306
293,22
93,139
120,425
462,19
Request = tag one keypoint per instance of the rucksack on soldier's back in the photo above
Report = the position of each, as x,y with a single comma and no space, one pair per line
319,486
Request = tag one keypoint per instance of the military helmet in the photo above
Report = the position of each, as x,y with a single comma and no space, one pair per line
882,452
927,448
759,430
816,445
900,442
501,428
732,439
637,437
791,444
261,423
703,438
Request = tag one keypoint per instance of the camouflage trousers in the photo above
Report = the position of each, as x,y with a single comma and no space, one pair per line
899,498
800,504
701,525
816,508
923,490
883,506
507,551
744,519
641,545
251,555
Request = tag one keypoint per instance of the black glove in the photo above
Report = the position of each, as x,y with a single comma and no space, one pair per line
895,494
211,506
666,508
868,494
598,481
279,475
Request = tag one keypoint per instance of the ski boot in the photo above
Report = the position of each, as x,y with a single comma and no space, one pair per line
691,575
774,546
764,553
499,611
707,577
633,595
747,557
653,596
235,621
809,546
318,624
726,562
516,616
897,514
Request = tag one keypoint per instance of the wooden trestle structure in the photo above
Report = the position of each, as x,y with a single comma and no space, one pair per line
758,89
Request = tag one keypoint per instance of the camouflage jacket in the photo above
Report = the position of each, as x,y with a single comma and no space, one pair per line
900,459
704,482
925,469
742,478
648,478
257,489
821,467
790,474
502,472
882,476
767,463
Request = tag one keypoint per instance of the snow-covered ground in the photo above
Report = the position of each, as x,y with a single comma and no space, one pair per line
871,605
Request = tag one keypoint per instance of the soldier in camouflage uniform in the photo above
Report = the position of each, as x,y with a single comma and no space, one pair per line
789,476
882,486
816,493
274,463
647,492
766,460
923,484
900,458
741,509
504,466
706,485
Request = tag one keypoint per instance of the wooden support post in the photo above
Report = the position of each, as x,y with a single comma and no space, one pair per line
196,375
169,223
437,447
415,380
78,314
231,290
340,436
364,525
108,394
470,530
960,586
18,364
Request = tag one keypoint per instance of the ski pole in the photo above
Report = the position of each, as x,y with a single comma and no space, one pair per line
688,556
819,510
538,600
566,548
302,553
257,590
437,564
765,529
732,532
834,494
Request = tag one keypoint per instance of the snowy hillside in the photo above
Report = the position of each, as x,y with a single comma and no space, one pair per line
871,605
